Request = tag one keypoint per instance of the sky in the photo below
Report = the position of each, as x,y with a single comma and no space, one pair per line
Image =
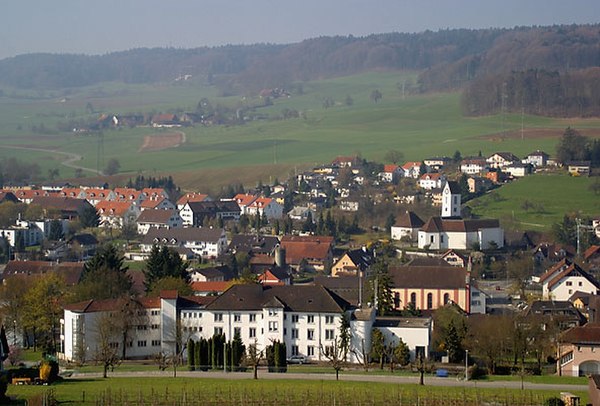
101,26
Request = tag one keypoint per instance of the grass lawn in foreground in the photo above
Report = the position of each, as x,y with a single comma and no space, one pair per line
212,391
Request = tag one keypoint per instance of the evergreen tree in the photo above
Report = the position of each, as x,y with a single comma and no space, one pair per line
107,257
56,231
453,343
164,262
381,285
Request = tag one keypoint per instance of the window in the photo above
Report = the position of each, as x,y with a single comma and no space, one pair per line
475,294
142,327
272,312
310,350
218,317
237,331
580,283
413,298
446,298
329,334
273,326
295,350
156,343
218,330
252,332
141,343
441,239
569,283
310,334
431,239
253,318
429,300
155,312
294,333
311,319
113,345
154,327
237,318
295,318
328,319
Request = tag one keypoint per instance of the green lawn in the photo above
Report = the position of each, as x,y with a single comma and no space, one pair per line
552,195
201,391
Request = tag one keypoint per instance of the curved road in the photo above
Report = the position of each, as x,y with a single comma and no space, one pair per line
71,157
429,380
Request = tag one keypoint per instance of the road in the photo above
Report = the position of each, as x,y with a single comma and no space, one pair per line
68,162
429,380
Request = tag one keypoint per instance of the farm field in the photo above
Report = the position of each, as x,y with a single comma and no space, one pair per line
207,391
418,125
551,196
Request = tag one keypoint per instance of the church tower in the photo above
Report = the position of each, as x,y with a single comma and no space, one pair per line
451,200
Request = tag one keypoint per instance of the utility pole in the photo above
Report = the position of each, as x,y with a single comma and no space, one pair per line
589,229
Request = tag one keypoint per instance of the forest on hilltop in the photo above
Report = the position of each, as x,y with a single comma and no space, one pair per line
522,62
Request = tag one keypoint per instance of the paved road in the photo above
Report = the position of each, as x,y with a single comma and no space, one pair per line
68,162
433,381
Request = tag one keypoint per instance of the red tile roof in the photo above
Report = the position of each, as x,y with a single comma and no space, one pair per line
309,247
219,286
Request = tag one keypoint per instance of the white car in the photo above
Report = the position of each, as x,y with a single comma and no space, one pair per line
296,359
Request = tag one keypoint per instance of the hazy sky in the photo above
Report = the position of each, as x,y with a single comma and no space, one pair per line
100,26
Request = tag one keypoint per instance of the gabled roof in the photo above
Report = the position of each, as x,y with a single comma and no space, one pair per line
453,186
299,247
295,298
507,156
107,305
156,216
554,269
64,204
8,196
361,258
588,334
439,224
244,199
590,252
70,271
538,153
152,202
429,277
213,272
260,244
113,208
411,164
192,197
182,235
409,220
211,286
572,270
390,168
431,176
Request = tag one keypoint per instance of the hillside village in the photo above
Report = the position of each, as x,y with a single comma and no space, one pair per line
276,264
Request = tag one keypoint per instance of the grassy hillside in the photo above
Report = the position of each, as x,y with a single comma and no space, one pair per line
418,125
551,194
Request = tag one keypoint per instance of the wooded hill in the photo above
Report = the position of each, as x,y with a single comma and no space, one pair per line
524,58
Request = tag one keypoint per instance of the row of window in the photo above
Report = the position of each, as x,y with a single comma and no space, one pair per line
413,299
140,343
237,318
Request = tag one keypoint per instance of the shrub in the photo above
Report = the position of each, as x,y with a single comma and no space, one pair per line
554,402
477,372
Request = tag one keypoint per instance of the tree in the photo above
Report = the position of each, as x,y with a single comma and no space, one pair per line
336,356
254,357
345,335
53,173
89,217
520,271
112,167
394,156
129,231
162,262
565,231
402,353
349,101
182,287
453,344
375,96
106,257
106,351
56,231
450,330
389,222
572,147
381,285
130,314
378,346
43,308
490,338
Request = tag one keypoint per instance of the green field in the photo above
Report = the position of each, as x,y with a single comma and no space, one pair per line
206,391
418,125
552,195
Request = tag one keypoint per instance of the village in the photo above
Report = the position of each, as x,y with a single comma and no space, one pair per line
274,265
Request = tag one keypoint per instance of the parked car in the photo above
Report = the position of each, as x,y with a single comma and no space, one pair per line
296,359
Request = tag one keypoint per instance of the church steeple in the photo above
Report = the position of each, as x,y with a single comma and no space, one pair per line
451,200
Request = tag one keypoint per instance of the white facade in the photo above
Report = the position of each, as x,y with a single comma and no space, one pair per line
462,240
564,288
414,332
400,232
451,201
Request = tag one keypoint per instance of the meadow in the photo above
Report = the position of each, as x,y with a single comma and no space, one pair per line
418,125
207,391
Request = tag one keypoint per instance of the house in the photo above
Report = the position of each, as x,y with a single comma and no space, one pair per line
155,193
352,262
313,253
501,159
254,244
579,168
518,169
406,197
210,288
433,180
473,166
591,257
552,252
560,313
565,278
596,226
302,213
8,196
27,195
95,195
407,227
415,332
274,276
206,243
70,271
349,205
436,163
116,214
347,162
390,174
130,195
158,219
23,233
537,158
412,169
478,184
165,121
265,207
212,274
431,287
66,207
579,351
196,213
192,197
156,203
244,201
83,246
454,258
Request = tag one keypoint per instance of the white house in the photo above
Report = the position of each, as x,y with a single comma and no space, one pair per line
473,166
266,207
407,226
565,278
24,231
415,332
429,181
501,159
391,173
518,169
537,158
207,243
158,219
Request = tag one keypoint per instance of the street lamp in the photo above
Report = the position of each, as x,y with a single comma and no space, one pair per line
466,365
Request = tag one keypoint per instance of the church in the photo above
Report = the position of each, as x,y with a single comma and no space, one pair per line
451,231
